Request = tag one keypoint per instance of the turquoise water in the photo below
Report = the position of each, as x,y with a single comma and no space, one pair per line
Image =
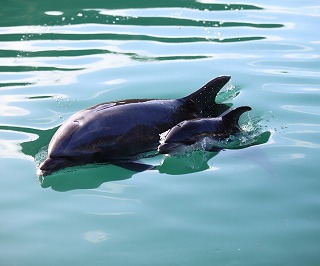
253,206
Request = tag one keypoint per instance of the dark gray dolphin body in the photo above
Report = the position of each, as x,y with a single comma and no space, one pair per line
201,133
121,130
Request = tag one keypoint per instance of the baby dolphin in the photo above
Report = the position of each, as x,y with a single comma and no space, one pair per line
201,133
121,130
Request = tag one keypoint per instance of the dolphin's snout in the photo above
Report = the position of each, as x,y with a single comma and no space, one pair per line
169,148
42,173
51,165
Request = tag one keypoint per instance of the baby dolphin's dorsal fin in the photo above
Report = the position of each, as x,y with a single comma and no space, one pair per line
204,97
233,116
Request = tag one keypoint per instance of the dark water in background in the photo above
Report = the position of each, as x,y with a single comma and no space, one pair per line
255,206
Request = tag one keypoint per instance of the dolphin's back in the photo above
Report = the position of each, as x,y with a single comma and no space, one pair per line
118,131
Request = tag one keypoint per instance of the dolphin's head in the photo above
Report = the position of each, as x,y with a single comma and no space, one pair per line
184,137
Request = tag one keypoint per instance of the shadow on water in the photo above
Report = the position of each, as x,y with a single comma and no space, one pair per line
186,164
92,176
87,177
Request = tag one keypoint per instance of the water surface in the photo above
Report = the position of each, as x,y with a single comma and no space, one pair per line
253,206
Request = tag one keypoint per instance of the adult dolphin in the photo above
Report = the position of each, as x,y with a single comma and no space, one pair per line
122,130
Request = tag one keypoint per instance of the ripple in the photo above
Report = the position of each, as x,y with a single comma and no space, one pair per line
10,144
310,110
302,143
69,45
290,88
95,236
10,110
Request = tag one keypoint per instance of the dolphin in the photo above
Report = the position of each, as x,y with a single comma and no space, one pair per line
207,134
123,130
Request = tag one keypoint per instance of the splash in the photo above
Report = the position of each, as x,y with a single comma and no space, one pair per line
41,156
228,93
251,134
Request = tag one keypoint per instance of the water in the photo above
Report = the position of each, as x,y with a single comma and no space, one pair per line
253,206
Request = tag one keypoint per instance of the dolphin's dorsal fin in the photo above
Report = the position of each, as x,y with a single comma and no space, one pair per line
204,98
233,116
